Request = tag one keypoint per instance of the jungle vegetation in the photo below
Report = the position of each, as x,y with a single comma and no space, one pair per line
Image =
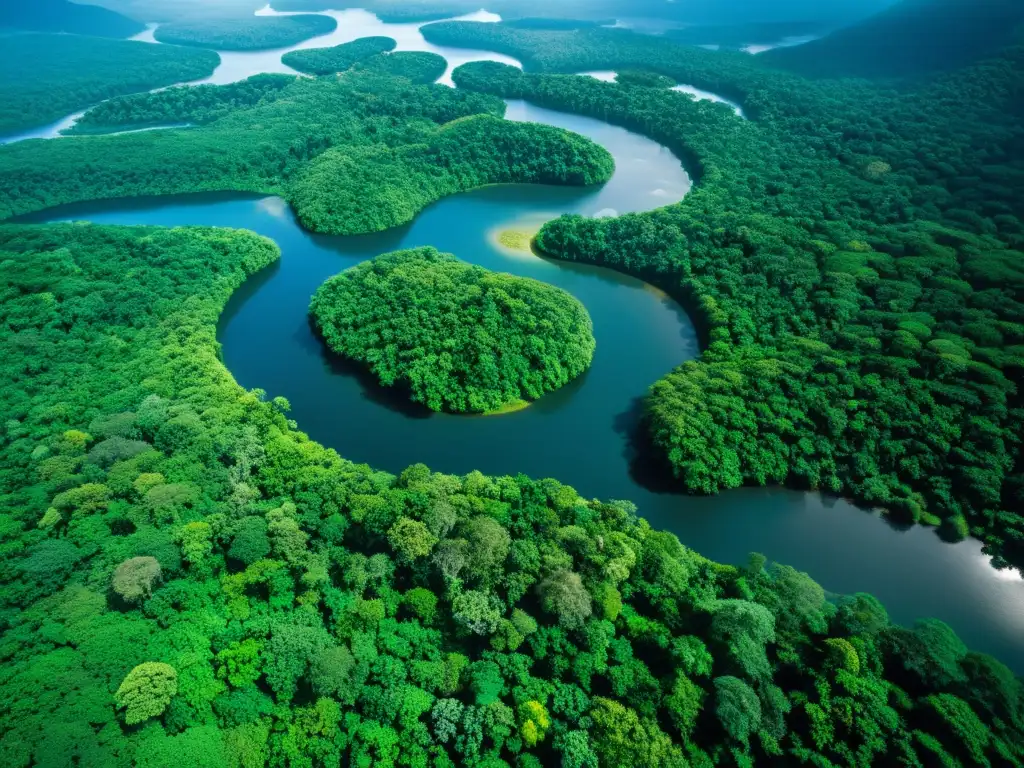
459,337
189,582
421,67
252,33
353,192
68,17
359,153
46,77
193,104
853,254
328,61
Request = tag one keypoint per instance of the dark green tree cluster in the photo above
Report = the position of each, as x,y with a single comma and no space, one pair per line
460,337
346,192
329,61
853,257
67,17
306,612
44,78
420,67
252,33
193,104
639,78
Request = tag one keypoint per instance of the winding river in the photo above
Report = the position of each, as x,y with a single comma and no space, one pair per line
581,434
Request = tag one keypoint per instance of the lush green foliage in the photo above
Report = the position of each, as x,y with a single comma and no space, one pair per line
421,67
46,77
853,255
65,16
328,61
246,34
315,613
193,104
359,153
460,337
347,192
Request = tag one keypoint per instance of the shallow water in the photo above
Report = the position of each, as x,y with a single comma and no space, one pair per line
581,434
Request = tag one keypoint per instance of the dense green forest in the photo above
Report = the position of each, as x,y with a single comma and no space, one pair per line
853,255
193,104
369,54
459,337
420,67
191,583
346,192
251,33
912,38
46,77
64,16
328,61
358,153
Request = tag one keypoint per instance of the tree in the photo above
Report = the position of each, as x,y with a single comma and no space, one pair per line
196,545
576,751
422,603
534,722
239,663
564,595
861,614
744,628
477,611
684,704
331,670
621,738
251,542
146,691
737,707
411,539
489,545
928,655
134,578
486,682
451,556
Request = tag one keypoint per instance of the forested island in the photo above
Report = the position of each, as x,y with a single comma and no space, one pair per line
459,337
329,61
246,34
190,581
